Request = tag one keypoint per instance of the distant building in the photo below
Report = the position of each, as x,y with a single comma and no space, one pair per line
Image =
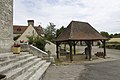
25,31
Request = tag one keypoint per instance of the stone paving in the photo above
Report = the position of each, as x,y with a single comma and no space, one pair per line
73,71
101,71
64,72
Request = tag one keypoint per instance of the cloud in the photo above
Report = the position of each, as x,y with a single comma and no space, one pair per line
102,15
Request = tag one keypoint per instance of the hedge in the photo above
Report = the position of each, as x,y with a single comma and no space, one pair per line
113,46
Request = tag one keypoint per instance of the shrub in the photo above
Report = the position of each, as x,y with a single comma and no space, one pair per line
16,37
30,39
38,41
118,47
113,46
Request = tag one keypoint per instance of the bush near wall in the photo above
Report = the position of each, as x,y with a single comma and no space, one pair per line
37,41
113,46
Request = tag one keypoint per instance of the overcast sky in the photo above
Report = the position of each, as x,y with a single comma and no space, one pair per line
103,15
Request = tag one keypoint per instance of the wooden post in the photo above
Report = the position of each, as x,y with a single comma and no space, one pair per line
75,43
104,45
89,49
71,56
57,50
89,46
74,48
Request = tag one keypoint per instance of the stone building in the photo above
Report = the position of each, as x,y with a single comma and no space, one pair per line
6,25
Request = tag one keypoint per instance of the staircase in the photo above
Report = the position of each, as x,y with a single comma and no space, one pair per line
23,66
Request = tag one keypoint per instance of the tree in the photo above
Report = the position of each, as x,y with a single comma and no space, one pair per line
30,39
105,34
111,35
16,37
37,41
40,42
59,31
116,35
50,32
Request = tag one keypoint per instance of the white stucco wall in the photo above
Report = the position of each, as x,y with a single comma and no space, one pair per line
51,47
28,32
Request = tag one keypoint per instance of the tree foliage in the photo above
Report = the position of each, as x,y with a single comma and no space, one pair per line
50,32
107,35
59,31
16,37
40,43
104,34
30,39
37,41
116,35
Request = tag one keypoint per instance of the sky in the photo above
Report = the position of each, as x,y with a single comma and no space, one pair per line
103,15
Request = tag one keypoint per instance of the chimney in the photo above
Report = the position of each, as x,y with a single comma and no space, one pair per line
31,22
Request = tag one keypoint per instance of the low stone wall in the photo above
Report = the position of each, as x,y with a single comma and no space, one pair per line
37,52
51,47
24,47
34,50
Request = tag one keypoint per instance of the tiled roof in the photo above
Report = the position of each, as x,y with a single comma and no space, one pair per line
18,29
39,30
77,30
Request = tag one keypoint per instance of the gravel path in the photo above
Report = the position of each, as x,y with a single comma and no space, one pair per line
63,72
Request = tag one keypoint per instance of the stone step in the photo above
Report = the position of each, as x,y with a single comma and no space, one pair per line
16,64
9,61
6,56
40,72
30,71
19,71
23,66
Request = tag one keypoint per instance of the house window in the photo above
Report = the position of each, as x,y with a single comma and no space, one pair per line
19,29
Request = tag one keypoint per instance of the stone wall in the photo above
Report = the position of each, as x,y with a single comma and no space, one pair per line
6,25
51,47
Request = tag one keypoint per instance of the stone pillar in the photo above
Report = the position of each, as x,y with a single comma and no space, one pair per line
6,25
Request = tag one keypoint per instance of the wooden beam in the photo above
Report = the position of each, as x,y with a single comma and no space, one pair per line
89,49
57,51
74,44
71,56
104,45
74,48
89,46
